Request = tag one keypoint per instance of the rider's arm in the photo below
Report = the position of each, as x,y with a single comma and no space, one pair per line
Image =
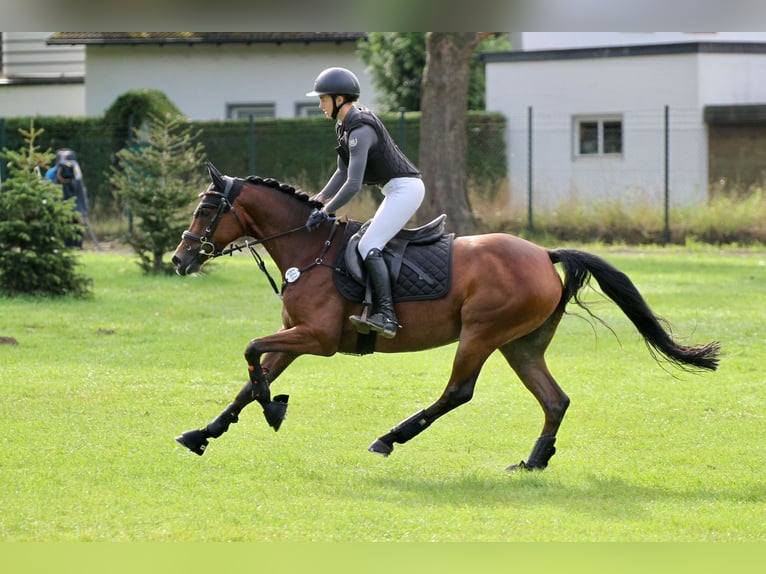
361,140
334,184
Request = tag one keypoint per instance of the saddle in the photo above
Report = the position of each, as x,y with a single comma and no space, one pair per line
419,262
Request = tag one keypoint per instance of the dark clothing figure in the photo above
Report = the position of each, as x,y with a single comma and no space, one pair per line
66,173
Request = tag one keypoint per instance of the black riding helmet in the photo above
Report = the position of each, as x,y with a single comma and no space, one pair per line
336,82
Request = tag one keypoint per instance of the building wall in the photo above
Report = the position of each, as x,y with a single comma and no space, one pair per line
202,80
565,40
28,99
732,79
26,55
36,79
636,88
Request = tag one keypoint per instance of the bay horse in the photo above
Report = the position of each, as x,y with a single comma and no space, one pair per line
505,294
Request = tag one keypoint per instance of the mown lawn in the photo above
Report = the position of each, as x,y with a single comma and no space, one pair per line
96,389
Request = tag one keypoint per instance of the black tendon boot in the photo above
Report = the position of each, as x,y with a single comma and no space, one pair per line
384,319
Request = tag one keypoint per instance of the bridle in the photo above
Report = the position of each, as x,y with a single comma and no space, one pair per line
225,203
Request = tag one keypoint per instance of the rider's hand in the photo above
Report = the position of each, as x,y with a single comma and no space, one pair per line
316,218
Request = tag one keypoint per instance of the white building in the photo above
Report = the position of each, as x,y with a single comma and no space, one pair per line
597,103
209,76
37,79
216,76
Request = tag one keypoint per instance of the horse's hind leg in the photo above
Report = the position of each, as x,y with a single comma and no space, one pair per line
465,371
526,357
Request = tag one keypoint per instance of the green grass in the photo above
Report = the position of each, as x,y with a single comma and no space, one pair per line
96,389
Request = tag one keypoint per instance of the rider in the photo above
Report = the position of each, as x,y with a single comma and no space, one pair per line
367,154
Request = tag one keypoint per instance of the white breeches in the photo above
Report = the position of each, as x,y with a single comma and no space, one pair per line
402,197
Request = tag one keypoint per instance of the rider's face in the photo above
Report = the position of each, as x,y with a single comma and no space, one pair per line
325,104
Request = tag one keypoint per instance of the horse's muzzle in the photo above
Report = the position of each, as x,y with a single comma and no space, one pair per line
186,264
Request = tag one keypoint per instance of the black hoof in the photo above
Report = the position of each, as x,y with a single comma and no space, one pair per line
379,447
276,411
194,440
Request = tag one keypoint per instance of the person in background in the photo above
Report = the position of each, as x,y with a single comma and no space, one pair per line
366,155
67,173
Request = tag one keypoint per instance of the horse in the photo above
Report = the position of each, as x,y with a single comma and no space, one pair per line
505,294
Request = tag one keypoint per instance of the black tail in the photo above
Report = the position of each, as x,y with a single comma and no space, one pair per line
579,266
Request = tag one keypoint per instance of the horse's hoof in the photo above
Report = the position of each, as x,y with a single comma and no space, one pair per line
379,447
194,440
276,411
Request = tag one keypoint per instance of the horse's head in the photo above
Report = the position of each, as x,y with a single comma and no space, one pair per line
214,224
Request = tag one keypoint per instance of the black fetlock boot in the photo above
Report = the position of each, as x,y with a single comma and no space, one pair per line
384,320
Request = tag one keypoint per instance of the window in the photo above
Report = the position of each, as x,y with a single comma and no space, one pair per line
244,111
598,136
305,110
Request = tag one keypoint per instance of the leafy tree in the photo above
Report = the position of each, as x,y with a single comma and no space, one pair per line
35,221
157,177
396,61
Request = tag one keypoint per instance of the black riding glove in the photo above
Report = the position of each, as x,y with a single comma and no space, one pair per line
315,219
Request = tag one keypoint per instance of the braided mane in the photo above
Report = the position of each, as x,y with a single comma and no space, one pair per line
285,188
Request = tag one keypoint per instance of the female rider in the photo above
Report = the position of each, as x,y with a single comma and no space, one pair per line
367,155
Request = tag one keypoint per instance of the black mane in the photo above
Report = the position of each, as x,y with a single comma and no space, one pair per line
285,188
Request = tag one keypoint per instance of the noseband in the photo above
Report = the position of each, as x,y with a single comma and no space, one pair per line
224,204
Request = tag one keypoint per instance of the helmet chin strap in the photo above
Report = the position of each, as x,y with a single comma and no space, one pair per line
336,108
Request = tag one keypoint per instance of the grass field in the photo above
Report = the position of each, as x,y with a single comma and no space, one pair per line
96,389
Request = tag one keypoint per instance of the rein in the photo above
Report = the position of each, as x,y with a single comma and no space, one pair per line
293,273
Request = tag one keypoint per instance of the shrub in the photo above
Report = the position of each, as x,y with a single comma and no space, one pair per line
157,179
35,222
135,107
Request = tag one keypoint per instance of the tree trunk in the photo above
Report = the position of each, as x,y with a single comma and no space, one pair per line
443,128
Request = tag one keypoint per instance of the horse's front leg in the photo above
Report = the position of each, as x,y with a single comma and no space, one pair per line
256,389
278,351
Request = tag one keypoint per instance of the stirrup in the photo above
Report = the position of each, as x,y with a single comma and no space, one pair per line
362,326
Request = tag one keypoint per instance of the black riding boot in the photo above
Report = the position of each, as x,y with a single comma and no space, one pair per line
384,319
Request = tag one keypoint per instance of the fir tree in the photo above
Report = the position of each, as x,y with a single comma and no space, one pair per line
35,221
158,177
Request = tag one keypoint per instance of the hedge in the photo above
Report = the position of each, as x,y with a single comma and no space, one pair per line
298,151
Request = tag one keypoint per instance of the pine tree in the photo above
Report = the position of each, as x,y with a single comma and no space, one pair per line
157,179
35,221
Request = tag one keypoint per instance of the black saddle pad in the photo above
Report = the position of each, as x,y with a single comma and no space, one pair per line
426,271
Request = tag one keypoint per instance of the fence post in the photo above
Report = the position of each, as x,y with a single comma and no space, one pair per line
667,175
530,219
2,147
251,146
401,129
131,141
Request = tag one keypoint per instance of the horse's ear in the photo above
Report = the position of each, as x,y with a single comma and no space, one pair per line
216,176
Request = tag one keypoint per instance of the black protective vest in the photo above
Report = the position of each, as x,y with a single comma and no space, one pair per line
385,160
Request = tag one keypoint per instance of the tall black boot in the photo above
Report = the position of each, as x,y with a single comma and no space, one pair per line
384,319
